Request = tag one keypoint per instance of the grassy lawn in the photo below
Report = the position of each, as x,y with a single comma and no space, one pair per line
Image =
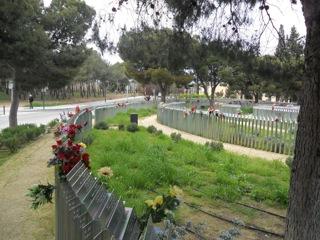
143,161
4,156
124,117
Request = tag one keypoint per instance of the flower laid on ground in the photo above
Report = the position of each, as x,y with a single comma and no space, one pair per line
162,206
40,194
105,172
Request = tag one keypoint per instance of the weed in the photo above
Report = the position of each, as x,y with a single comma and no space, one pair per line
101,125
133,127
152,129
215,146
176,137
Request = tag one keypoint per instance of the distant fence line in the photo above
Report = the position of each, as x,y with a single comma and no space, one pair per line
85,209
226,106
259,133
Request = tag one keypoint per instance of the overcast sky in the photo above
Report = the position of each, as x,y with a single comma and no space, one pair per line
281,11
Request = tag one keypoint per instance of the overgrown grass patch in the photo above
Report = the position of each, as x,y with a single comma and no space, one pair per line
124,117
4,156
142,162
14,138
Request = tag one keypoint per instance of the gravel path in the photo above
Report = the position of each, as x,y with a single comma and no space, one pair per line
251,152
29,166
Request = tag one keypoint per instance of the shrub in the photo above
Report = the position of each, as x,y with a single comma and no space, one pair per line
10,143
88,139
176,137
246,110
152,129
289,161
121,127
53,123
13,138
215,146
159,132
132,127
101,125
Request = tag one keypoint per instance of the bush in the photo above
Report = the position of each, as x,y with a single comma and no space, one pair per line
152,129
289,161
13,138
215,146
159,132
101,125
132,127
176,137
10,143
53,123
88,139
121,127
246,109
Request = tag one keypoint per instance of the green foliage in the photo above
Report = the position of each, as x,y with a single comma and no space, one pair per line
215,146
176,137
53,123
121,127
87,138
40,195
152,129
101,125
156,56
132,127
14,138
246,109
160,208
289,161
144,161
124,117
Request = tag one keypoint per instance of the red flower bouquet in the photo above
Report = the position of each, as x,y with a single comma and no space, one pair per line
67,154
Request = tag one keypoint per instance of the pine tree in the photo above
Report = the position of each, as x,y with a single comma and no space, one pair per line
281,50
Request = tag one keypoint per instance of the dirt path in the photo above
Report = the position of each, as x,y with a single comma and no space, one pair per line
27,167
229,147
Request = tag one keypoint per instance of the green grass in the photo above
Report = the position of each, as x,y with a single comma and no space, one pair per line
124,117
142,162
4,156
246,109
4,96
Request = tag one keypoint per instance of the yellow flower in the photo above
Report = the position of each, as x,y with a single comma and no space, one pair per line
175,191
149,203
82,145
158,201
105,171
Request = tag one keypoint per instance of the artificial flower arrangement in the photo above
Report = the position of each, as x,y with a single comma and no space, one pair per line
162,206
67,154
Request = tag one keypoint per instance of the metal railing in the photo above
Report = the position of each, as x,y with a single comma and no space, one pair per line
259,133
85,209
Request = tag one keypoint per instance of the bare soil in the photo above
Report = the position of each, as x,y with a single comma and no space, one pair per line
23,169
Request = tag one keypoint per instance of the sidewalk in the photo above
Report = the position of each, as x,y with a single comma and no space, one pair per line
251,152
73,105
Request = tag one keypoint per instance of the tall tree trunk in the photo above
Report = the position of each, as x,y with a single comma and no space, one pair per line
13,121
303,218
163,91
256,98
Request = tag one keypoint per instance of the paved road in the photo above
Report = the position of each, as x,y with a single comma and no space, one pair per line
40,116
